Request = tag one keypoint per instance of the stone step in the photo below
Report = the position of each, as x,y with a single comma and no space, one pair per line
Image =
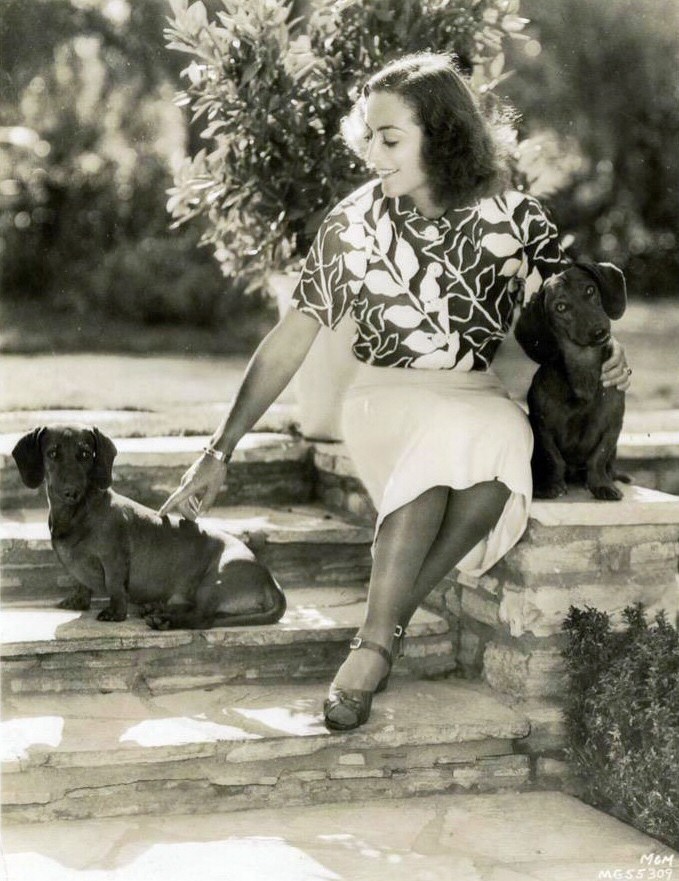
650,458
505,836
267,468
240,747
171,420
53,650
302,544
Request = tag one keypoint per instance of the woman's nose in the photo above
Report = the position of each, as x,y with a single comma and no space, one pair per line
371,152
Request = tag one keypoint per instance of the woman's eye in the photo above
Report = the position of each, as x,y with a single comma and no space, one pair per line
390,143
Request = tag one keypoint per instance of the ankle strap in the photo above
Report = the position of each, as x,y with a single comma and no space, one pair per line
359,643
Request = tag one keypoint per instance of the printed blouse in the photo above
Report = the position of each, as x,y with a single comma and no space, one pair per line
423,293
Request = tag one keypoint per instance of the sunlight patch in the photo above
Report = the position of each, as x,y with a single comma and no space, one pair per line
18,735
286,720
183,729
235,859
26,625
308,616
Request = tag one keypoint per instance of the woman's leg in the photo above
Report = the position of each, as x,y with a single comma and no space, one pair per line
416,542
470,516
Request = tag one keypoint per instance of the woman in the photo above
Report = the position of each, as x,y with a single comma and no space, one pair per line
431,259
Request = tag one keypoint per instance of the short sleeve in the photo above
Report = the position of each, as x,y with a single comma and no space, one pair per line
335,267
543,255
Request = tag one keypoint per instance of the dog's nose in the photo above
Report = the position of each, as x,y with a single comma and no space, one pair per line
600,335
70,495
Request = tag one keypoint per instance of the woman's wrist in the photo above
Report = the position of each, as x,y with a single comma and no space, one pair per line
215,453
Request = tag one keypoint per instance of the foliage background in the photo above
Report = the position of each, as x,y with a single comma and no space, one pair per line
622,716
90,141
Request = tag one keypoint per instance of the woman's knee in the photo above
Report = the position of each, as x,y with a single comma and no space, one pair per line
481,502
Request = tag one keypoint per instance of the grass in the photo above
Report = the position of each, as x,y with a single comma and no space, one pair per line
53,362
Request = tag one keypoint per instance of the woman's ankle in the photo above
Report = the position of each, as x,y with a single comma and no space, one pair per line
379,633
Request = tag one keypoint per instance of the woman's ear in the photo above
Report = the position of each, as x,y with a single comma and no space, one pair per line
104,454
533,332
28,457
612,286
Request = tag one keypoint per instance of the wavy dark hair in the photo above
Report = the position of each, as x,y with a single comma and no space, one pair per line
465,150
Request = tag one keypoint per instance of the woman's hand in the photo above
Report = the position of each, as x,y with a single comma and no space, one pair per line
198,488
614,371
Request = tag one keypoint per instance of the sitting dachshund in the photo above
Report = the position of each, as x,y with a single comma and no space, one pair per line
198,577
576,422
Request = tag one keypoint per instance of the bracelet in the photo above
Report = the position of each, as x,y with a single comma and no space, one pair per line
219,455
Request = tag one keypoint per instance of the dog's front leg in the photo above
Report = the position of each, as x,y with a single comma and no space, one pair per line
599,480
115,583
79,599
549,468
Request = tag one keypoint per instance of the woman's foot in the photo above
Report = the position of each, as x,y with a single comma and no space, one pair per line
364,673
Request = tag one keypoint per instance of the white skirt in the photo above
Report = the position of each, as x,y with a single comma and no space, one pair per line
409,430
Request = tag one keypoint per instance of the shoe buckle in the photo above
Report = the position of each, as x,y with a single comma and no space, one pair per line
399,634
355,642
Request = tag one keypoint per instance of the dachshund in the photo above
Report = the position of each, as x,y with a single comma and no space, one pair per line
188,575
566,328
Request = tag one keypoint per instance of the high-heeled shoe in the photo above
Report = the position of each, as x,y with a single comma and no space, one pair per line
347,708
397,651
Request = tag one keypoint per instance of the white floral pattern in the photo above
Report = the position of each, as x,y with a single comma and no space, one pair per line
431,294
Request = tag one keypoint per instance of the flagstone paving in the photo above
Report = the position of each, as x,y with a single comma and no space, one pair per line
542,836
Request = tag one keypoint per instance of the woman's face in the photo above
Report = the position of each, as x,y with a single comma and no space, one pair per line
395,150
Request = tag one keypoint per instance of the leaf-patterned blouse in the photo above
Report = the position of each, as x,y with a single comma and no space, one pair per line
423,293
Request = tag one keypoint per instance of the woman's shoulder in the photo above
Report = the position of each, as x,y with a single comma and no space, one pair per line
360,200
514,201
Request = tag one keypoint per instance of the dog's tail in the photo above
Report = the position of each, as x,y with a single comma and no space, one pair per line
276,607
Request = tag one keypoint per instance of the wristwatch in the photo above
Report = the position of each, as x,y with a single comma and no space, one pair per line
219,455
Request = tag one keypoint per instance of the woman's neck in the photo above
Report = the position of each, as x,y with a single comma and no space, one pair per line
428,207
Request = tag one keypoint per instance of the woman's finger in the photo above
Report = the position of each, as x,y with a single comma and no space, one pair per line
175,500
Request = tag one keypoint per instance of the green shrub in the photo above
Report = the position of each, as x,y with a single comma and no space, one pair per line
86,150
622,716
270,89
604,76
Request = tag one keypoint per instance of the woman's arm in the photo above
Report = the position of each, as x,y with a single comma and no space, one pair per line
271,368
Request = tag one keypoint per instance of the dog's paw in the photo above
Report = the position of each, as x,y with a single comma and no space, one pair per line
158,621
78,601
109,613
550,491
146,610
606,492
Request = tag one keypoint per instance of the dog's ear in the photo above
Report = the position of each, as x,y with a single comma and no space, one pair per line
533,332
104,454
611,283
28,456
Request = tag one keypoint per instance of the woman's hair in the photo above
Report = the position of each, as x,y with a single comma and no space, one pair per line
464,153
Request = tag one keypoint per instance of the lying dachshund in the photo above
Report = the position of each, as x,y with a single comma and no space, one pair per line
199,577
576,422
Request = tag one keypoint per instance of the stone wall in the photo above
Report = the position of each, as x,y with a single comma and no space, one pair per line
506,625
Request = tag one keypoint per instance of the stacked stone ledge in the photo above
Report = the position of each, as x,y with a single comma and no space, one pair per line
507,624
505,627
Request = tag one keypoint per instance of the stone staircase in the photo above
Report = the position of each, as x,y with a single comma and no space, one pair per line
105,719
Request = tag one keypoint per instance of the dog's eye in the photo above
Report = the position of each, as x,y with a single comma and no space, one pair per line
590,290
84,455
52,454
561,307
